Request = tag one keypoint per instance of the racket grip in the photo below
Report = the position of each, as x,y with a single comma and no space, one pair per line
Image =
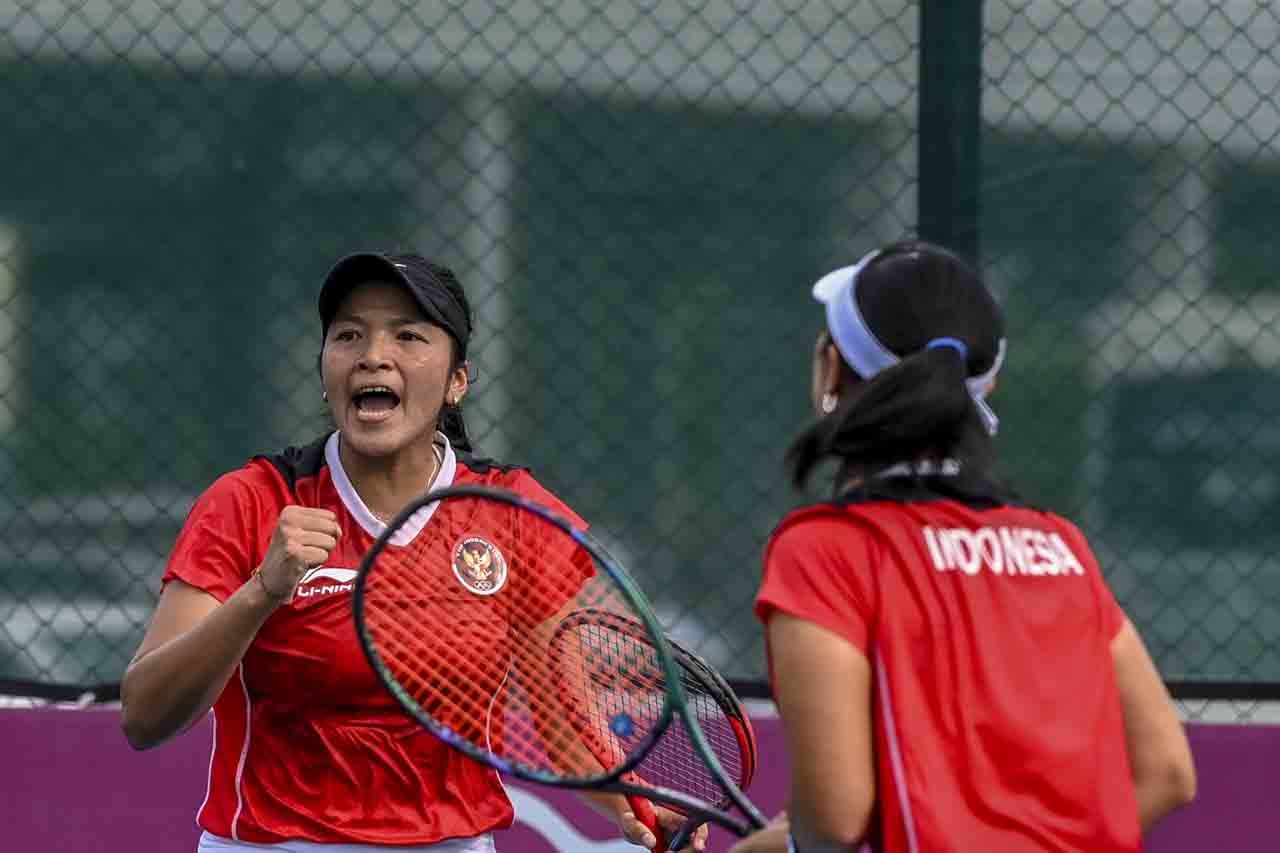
643,810
682,836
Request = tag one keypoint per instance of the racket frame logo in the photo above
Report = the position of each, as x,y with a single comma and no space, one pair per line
478,565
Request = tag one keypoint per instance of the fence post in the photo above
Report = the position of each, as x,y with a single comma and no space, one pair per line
950,105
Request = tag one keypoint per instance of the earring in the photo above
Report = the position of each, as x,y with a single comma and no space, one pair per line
324,395
829,403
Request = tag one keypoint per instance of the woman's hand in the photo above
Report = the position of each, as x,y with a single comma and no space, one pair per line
637,833
771,839
633,829
302,540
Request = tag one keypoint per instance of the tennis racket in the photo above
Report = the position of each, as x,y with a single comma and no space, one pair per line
597,638
509,632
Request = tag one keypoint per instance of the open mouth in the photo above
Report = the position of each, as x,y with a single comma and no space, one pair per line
375,402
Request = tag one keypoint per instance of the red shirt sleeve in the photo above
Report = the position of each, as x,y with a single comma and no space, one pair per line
214,550
548,591
1113,617
818,566
524,484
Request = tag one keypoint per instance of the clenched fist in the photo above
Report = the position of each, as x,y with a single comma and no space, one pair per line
303,538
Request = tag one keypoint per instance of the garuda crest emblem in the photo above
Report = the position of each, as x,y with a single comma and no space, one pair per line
479,565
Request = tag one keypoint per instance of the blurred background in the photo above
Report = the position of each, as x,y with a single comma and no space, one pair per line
637,195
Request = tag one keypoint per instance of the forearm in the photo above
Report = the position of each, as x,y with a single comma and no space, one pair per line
171,686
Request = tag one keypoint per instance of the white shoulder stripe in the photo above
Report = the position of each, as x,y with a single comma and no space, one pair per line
895,755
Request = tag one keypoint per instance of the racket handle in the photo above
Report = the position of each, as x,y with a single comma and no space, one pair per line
682,836
643,810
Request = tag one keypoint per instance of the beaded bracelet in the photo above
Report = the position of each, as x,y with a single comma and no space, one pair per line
257,573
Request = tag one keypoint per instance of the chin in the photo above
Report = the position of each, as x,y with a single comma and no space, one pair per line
366,443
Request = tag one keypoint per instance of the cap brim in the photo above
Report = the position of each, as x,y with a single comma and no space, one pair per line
365,267
350,271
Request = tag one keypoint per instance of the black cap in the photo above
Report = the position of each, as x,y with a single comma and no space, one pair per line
423,278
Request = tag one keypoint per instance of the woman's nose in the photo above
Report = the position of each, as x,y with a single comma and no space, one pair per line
375,353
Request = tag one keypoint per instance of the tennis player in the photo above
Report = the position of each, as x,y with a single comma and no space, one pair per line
951,670
254,619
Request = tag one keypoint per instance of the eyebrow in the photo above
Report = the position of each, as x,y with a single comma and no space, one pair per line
346,317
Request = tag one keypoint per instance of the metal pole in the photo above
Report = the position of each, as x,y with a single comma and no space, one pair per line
950,118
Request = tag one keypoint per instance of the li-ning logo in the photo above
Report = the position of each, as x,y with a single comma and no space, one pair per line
342,581
479,565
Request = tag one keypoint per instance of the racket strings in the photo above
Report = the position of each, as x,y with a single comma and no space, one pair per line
617,683
674,762
627,675
462,619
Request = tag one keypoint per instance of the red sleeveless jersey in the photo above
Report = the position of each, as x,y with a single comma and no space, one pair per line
997,718
307,744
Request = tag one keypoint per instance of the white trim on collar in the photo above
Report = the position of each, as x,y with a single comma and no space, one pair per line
363,515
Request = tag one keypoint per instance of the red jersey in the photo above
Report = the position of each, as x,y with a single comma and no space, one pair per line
307,743
997,719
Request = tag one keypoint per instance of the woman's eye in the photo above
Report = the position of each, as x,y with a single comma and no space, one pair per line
411,336
345,335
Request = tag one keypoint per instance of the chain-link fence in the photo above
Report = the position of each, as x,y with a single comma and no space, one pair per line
637,197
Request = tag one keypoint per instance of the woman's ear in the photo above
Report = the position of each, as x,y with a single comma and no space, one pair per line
832,362
459,382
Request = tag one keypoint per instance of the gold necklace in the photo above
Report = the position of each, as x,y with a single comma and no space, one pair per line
437,460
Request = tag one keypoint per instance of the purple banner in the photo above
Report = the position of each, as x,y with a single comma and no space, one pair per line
70,782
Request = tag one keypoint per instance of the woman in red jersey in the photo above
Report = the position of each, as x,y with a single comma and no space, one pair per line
254,619
951,670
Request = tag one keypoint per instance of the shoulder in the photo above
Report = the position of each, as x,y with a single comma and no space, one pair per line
293,464
1067,526
1074,539
820,526
264,481
821,565
807,519
514,478
1050,522
254,482
486,468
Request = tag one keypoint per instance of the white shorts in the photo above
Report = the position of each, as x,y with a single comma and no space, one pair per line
210,843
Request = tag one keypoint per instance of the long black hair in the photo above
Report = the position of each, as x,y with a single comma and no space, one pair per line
910,294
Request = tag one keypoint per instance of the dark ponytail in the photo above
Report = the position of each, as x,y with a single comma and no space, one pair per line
454,428
918,405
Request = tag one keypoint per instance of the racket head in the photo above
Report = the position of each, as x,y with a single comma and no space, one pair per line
456,622
720,715
711,757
